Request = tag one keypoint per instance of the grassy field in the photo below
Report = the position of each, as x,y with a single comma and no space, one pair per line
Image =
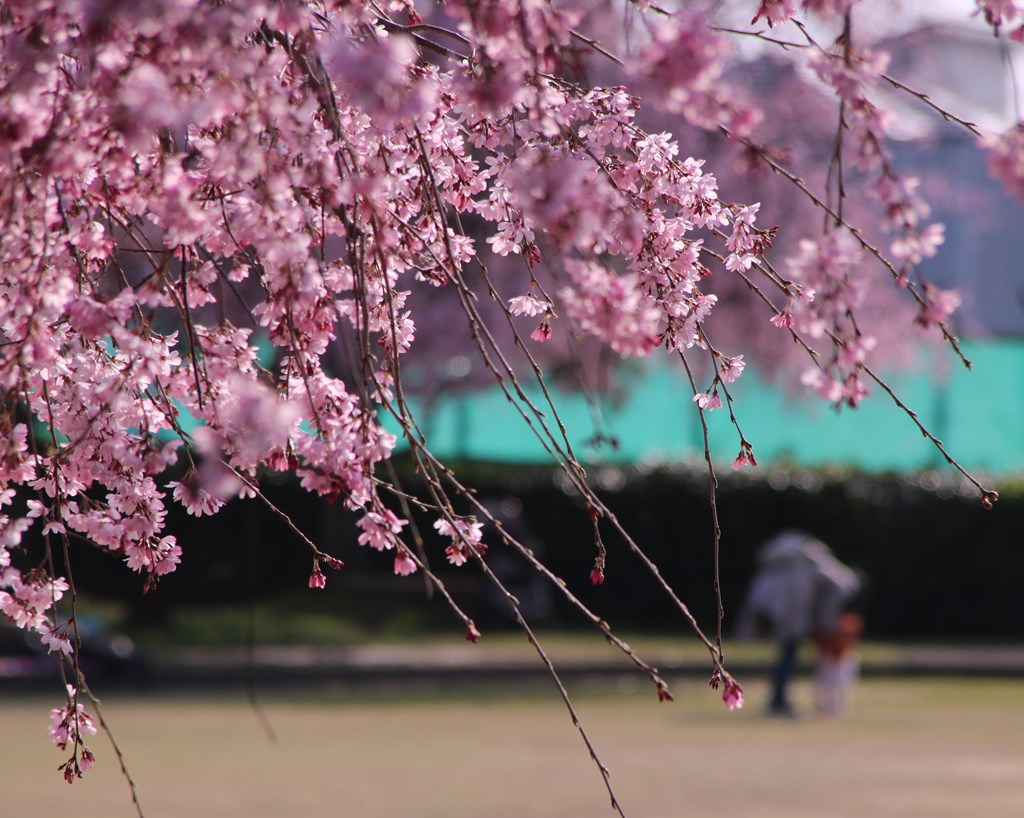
911,749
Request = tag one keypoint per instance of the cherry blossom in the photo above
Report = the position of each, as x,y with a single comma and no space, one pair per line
466,534
745,457
1006,159
69,725
731,368
613,308
404,564
997,12
379,529
542,332
938,306
732,694
708,400
528,305
775,12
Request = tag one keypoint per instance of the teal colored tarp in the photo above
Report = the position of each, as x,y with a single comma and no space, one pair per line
977,414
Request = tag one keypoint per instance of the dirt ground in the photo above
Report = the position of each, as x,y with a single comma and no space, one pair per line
911,749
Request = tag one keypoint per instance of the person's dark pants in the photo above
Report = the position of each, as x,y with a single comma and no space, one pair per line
782,672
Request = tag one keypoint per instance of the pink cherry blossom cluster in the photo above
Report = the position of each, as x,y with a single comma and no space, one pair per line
826,294
612,307
998,12
1005,154
775,12
613,190
732,691
69,725
466,536
28,598
778,12
683,66
851,74
732,694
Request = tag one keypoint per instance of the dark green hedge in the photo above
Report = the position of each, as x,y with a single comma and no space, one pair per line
939,564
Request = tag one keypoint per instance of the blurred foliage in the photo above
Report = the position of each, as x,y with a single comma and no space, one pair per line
939,565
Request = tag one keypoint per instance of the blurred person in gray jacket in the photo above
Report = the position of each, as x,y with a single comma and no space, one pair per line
800,589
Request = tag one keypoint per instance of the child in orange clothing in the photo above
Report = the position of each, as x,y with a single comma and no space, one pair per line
837,665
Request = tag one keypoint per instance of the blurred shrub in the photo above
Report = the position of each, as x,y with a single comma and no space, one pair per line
939,564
